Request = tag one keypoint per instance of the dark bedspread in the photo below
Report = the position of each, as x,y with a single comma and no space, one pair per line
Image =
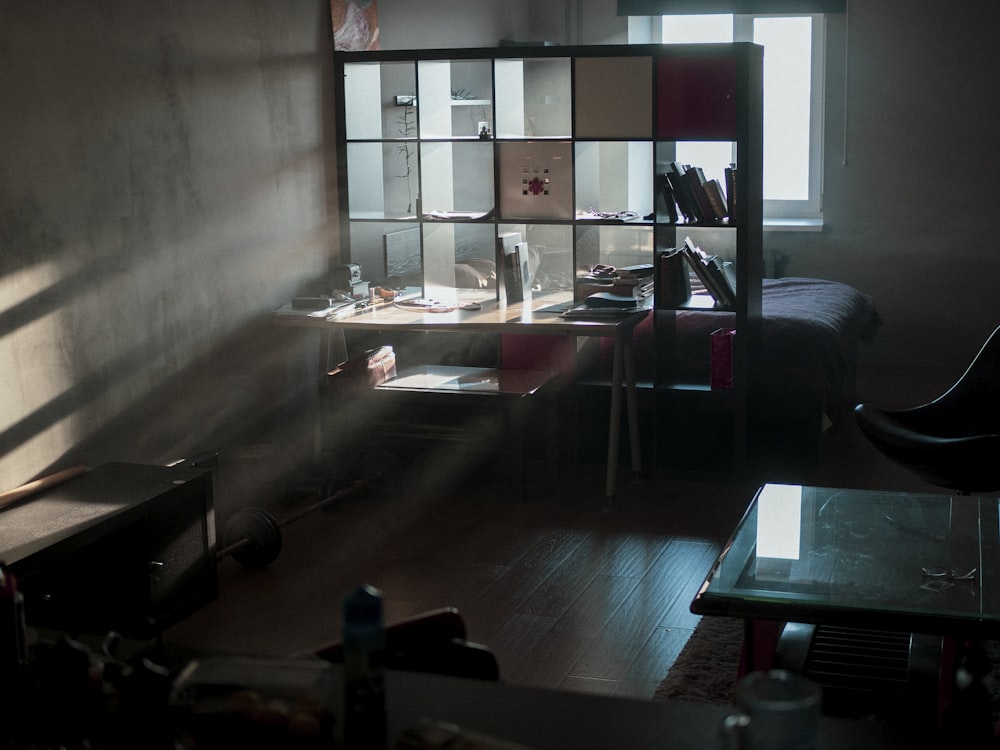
809,331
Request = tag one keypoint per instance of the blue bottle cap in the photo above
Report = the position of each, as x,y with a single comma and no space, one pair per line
363,605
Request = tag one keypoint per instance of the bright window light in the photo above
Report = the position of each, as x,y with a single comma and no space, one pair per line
793,59
698,29
787,46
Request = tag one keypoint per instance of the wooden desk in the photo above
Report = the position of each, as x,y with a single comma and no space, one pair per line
551,719
544,719
519,318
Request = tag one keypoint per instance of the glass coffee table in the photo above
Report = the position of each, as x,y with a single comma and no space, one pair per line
908,562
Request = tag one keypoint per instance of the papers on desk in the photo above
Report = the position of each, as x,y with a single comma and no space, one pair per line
421,304
458,215
287,311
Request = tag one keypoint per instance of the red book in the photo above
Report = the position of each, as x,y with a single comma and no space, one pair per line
722,358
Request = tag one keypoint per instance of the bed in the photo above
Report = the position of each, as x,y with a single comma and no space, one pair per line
810,331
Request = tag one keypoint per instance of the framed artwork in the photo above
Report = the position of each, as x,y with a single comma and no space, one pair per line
355,25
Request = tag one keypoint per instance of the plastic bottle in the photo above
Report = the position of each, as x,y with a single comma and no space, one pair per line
364,670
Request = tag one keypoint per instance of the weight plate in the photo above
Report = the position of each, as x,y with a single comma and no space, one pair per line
262,534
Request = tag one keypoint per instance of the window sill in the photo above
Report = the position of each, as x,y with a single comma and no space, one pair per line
793,225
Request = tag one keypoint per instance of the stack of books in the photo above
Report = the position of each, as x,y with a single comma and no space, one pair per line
634,282
685,196
605,305
717,275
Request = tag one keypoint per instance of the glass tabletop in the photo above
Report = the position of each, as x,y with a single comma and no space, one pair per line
929,563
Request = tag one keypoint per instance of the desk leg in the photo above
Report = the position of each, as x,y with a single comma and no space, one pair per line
332,351
760,641
514,418
623,369
631,402
615,420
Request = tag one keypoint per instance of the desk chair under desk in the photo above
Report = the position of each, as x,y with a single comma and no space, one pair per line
528,318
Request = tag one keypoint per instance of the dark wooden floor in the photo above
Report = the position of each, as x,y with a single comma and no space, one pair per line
569,591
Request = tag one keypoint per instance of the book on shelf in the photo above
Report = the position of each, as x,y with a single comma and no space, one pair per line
695,198
666,203
716,199
512,264
672,280
730,177
729,271
681,191
696,181
711,270
638,271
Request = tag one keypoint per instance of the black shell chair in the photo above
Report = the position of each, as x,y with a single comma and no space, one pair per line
954,440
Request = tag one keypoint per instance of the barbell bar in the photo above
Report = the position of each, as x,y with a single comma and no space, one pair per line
253,535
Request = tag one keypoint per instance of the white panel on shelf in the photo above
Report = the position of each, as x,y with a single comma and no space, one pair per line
437,191
640,177
435,98
536,180
362,96
439,261
614,97
509,84
365,180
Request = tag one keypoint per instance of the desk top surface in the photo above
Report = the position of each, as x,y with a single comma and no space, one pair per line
920,562
546,719
540,315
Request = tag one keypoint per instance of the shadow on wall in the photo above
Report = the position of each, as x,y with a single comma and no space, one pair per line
168,185
251,400
258,400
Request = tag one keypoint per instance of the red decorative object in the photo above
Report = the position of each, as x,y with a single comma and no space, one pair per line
696,97
722,358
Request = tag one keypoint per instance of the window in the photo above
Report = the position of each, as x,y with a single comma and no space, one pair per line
793,101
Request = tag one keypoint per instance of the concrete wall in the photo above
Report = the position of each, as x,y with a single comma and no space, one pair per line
164,184
912,104
405,24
